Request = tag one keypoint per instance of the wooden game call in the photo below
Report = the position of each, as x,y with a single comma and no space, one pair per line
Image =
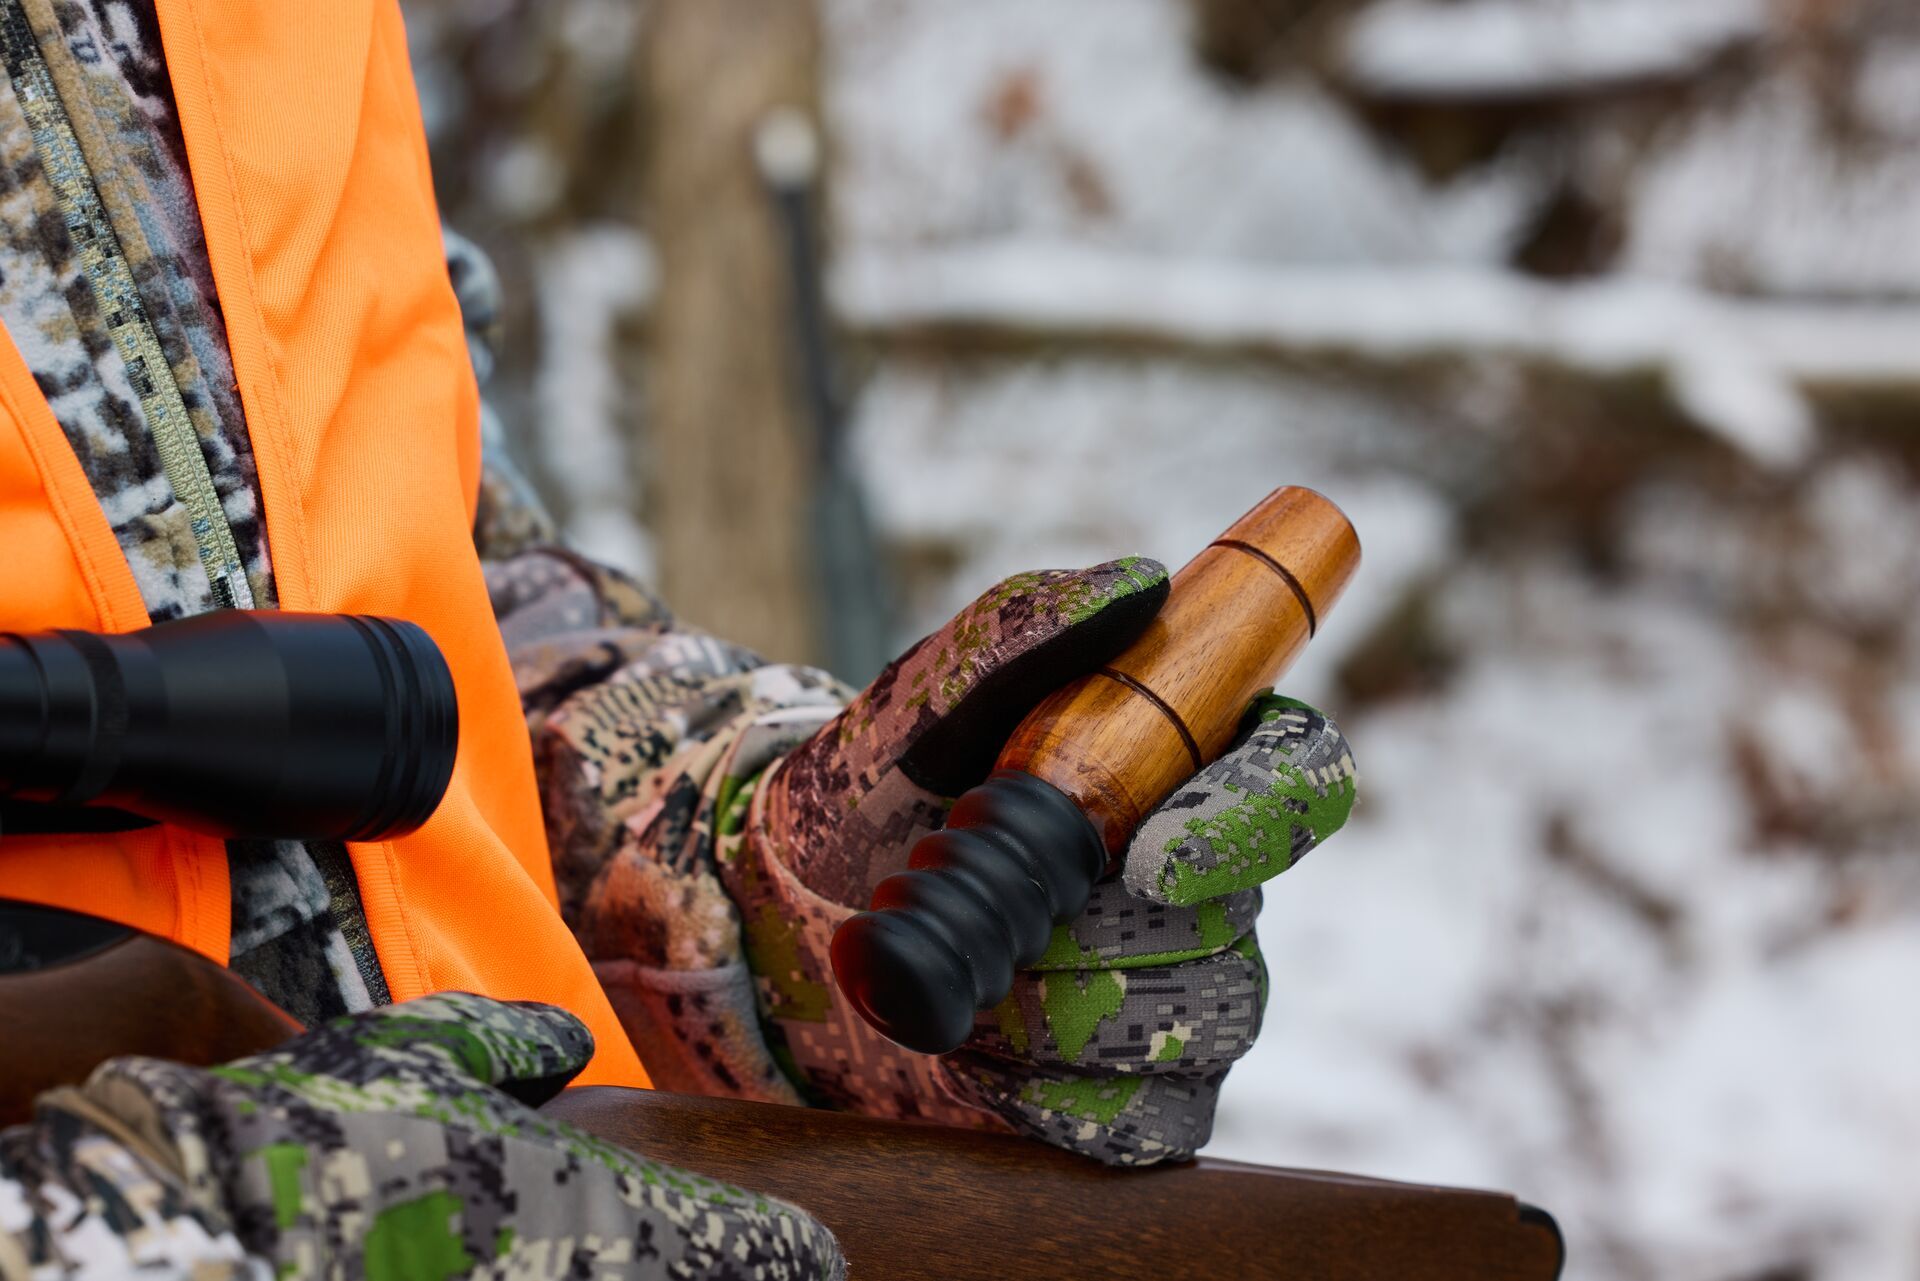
1020,853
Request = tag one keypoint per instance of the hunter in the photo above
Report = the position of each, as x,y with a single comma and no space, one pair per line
243,373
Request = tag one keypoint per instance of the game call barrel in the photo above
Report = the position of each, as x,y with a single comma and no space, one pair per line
1020,853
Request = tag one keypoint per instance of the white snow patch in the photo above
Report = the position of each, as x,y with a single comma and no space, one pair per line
1730,389
523,177
1485,49
1733,362
1090,119
1761,196
1450,1006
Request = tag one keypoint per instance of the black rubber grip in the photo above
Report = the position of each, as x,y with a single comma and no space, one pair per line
979,901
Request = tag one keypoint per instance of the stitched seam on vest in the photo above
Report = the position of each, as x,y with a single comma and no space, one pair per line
105,267
277,420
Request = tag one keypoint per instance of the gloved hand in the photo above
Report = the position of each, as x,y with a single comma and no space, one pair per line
400,1142
713,822
1116,1043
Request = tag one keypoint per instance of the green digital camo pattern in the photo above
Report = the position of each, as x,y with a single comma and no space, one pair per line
376,1147
657,755
1116,1043
1118,1040
840,814
1250,815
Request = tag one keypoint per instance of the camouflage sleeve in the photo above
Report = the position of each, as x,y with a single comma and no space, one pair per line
82,1196
647,739
396,1142
509,517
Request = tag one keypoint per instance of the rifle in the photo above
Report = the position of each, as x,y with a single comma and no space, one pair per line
907,1201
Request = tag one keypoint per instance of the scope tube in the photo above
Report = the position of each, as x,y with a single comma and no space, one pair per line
238,723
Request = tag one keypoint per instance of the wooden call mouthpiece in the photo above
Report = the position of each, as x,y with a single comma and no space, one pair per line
1020,853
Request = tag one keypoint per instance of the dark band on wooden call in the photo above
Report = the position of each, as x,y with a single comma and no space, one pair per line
1020,853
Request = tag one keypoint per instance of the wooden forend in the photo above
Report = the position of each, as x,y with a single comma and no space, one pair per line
925,1203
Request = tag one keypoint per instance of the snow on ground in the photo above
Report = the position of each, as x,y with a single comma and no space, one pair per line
1088,118
1548,955
1582,940
1691,1096
1733,364
1482,49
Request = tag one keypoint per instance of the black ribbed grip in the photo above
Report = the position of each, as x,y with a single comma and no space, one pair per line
979,901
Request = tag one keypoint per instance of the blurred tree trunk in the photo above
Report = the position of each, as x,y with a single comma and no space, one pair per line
730,456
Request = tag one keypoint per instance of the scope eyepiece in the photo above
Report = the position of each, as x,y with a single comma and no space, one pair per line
238,723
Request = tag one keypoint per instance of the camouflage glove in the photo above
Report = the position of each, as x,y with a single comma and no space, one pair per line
373,1147
1115,1045
712,820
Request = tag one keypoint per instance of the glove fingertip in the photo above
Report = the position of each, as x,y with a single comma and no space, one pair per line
1012,647
1287,786
528,1049
552,1043
1120,1119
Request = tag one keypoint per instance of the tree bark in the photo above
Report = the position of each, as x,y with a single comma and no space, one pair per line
729,455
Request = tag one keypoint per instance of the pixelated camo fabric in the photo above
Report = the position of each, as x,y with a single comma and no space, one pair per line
713,818
374,1148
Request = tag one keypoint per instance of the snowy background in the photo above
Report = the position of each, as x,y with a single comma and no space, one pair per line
1601,318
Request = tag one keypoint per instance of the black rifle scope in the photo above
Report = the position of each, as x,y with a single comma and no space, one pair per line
236,724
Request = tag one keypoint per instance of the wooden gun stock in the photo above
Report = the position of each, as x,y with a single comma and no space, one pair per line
906,1201
76,991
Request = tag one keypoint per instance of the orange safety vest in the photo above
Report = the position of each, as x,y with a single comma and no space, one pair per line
309,163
